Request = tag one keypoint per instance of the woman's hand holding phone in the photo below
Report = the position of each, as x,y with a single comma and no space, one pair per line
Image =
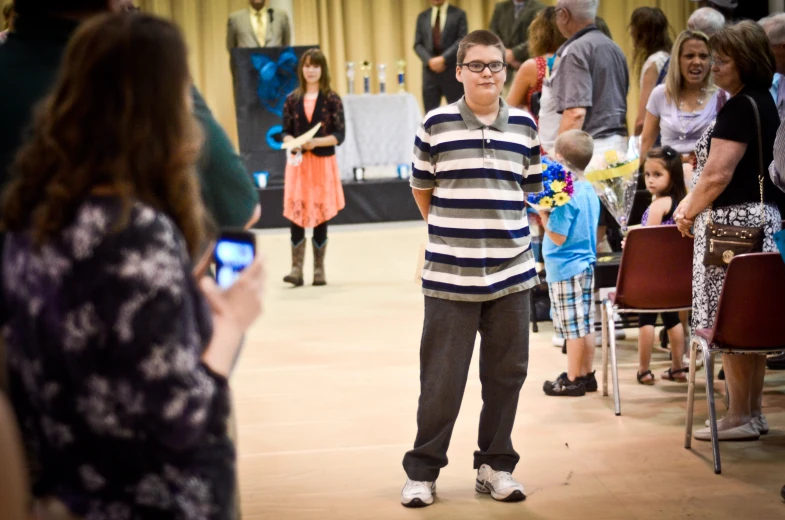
234,310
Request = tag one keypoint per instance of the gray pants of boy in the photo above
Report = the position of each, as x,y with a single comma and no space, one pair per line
449,332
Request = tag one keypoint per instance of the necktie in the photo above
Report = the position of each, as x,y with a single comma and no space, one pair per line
519,8
260,32
437,33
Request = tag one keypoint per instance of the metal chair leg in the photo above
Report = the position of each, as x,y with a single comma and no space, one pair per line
614,363
694,344
604,317
708,360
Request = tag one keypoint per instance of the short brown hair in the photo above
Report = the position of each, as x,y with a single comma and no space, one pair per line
577,148
748,46
544,35
481,37
314,57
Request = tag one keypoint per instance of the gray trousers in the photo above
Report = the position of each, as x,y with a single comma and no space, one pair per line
449,332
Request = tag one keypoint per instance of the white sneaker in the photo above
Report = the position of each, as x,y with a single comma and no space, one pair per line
499,484
416,493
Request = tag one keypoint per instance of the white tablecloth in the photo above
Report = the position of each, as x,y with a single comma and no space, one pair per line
380,131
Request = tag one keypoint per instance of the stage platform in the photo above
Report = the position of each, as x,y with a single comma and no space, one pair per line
388,200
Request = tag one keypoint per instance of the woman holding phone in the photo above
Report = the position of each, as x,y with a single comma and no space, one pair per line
313,193
118,354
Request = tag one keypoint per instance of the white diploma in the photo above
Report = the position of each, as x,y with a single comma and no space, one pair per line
297,142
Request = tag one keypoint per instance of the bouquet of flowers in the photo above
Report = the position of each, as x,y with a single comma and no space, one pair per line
558,185
614,177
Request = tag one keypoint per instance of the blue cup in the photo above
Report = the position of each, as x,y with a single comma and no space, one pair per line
403,171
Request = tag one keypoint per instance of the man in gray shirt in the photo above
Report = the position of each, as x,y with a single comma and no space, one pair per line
590,82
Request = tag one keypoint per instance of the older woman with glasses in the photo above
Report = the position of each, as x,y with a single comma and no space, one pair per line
731,189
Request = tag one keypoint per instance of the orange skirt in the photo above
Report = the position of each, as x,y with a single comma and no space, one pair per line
312,191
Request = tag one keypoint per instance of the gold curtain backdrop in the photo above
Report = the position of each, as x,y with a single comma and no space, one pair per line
381,31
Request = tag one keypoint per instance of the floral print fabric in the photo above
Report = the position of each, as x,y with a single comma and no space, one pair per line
104,334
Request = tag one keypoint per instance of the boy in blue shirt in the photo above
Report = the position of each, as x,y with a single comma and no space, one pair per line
570,252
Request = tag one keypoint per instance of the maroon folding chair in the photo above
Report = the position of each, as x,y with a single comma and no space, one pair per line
655,275
749,321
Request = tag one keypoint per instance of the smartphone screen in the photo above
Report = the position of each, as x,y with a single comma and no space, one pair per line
233,252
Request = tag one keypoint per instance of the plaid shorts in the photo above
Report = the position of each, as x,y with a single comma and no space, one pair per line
572,305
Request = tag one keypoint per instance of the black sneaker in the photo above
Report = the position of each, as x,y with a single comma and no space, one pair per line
589,381
563,386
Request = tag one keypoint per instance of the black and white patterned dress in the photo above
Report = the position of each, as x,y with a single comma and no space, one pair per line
707,281
105,333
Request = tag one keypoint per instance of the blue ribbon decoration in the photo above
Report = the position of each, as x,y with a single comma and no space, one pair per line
276,79
274,137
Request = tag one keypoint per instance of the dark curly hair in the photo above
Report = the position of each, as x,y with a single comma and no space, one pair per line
117,119
650,33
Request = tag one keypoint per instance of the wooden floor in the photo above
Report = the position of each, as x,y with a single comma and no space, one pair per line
326,394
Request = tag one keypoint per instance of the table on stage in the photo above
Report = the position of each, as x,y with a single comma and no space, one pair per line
380,131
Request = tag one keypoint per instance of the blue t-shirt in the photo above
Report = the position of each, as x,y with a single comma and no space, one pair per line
577,220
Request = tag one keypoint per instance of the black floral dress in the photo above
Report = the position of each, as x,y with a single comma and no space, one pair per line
106,329
707,281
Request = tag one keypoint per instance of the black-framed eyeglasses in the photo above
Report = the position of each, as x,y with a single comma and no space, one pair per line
478,66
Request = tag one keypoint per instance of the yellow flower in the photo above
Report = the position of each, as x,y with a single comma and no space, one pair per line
558,186
561,199
546,202
611,157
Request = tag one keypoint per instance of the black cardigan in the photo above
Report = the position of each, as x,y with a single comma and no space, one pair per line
328,112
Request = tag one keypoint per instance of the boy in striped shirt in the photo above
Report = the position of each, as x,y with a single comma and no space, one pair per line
474,161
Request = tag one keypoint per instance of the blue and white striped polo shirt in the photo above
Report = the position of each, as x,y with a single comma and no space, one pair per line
478,235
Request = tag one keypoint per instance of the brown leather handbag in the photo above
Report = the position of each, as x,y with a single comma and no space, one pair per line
723,242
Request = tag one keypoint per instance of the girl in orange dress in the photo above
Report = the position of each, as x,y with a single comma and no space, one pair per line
312,186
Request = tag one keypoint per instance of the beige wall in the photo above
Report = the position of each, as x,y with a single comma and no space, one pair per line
381,31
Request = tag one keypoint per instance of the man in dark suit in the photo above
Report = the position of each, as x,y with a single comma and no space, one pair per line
439,31
510,22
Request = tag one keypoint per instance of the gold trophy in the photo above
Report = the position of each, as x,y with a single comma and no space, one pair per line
366,68
401,75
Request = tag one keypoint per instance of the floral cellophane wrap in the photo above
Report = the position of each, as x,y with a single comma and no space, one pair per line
614,176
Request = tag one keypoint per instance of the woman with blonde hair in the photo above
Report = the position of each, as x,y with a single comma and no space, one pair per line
313,193
681,109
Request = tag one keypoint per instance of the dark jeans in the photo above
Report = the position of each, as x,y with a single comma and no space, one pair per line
319,233
448,335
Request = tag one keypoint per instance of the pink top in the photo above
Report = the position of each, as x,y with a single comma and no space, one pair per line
309,105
